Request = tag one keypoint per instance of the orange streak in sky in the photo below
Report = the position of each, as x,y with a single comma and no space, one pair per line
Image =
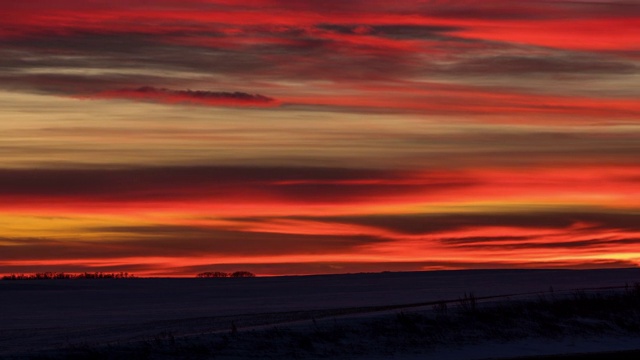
608,185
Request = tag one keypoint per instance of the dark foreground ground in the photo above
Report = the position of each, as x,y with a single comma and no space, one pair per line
366,316
615,355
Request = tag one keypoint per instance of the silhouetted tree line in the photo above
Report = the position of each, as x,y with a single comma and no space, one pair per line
220,274
61,275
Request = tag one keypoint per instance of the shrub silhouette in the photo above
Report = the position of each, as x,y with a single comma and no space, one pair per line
220,274
242,274
213,274
62,275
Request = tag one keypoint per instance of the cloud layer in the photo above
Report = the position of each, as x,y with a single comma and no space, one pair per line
169,137
87,49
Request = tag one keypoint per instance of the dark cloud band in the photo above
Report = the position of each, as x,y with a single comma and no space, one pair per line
199,97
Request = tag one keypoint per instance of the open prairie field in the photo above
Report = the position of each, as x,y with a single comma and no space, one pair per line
446,314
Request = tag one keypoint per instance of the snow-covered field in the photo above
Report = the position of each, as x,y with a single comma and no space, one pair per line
45,316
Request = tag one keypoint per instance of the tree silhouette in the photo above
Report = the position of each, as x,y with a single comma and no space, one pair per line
242,274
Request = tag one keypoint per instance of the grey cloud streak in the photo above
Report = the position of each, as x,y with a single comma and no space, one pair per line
176,241
560,63
415,224
199,97
217,183
498,243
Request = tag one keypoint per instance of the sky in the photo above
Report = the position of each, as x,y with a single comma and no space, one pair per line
168,138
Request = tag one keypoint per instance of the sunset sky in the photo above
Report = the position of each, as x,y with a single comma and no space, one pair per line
171,137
